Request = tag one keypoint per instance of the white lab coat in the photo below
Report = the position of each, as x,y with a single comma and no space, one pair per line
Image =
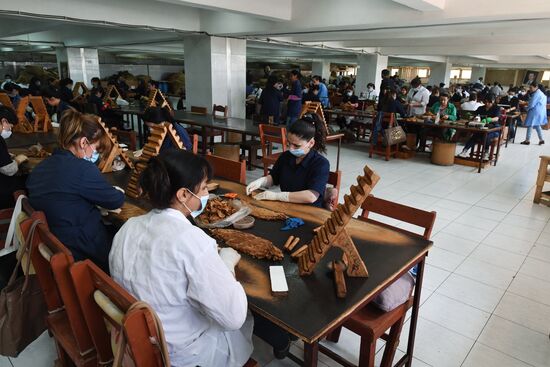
422,96
162,259
471,105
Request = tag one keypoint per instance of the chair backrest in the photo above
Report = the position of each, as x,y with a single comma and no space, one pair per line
52,261
199,110
334,179
101,298
418,217
272,134
219,108
228,168
388,119
5,100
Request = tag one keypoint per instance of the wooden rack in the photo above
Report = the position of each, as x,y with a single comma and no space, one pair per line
5,100
314,108
77,87
333,232
106,163
152,148
111,95
42,121
23,124
157,99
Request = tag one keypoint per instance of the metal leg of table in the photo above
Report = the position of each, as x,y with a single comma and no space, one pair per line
140,132
408,357
338,154
311,354
483,149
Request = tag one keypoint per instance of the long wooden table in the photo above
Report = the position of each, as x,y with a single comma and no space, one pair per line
20,140
462,128
311,309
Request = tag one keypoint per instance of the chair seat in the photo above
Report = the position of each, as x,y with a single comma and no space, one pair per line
272,158
372,322
58,324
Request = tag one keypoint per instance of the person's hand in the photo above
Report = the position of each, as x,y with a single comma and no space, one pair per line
20,158
270,195
230,258
444,117
255,185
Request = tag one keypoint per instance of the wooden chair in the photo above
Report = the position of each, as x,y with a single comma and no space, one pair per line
210,133
104,303
218,108
42,121
370,322
52,261
5,100
268,136
229,169
331,193
543,176
388,120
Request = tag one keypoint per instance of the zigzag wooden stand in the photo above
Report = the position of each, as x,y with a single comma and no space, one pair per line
314,108
5,100
109,97
157,99
333,232
23,125
77,87
42,121
106,164
150,149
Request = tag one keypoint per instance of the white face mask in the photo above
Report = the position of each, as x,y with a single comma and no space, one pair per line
6,134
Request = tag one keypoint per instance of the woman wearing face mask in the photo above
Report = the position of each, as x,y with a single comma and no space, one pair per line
163,259
9,181
68,188
371,94
301,172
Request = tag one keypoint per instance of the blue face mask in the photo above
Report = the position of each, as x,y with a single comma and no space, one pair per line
297,152
93,158
204,201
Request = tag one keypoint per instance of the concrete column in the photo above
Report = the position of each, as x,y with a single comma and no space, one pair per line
321,68
478,72
80,64
215,73
369,70
440,73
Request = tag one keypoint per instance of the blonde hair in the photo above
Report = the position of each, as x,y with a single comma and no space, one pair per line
75,125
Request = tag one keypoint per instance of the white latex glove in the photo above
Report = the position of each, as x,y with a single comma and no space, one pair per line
270,195
256,184
20,158
230,258
119,189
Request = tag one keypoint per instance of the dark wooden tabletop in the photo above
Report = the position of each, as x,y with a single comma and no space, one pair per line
20,140
446,125
311,308
232,124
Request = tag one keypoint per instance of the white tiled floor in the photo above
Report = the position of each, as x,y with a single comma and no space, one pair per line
486,295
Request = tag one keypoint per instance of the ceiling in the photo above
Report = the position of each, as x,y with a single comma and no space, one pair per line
497,33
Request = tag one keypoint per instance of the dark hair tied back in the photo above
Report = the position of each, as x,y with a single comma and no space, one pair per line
308,127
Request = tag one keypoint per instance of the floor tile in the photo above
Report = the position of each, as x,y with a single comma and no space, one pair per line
437,345
533,288
455,315
477,222
433,277
540,252
486,273
544,238
508,243
482,355
517,232
40,353
500,206
517,341
466,232
524,222
498,257
454,244
444,259
5,362
471,292
536,268
523,311
481,212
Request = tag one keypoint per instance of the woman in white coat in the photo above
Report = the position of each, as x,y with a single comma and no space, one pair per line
536,114
164,260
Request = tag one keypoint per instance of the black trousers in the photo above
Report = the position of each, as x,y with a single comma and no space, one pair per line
270,333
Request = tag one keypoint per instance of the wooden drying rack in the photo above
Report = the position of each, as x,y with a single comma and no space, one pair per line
111,95
157,99
42,121
106,164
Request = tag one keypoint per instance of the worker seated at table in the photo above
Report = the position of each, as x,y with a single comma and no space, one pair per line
472,104
166,261
489,111
443,111
350,102
68,187
301,171
66,90
156,115
9,166
53,98
311,94
13,90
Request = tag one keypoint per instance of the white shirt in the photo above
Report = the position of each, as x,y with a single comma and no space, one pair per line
162,259
421,96
371,96
471,105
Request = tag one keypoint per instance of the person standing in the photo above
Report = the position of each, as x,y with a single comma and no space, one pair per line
418,97
270,101
536,114
323,91
294,106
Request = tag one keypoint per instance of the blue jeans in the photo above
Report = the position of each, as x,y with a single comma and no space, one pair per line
539,132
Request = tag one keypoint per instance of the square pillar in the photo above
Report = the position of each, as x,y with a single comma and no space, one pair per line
440,73
80,64
478,72
215,73
321,68
369,70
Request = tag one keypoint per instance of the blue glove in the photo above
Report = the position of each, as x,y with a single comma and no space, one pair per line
291,223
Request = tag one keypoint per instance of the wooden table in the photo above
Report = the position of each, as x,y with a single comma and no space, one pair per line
311,309
20,140
462,128
351,113
134,110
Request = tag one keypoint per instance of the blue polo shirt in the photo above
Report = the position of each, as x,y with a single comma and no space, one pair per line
323,94
67,189
310,174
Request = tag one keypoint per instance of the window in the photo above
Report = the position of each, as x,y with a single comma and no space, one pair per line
422,73
546,75
466,74
394,71
455,73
